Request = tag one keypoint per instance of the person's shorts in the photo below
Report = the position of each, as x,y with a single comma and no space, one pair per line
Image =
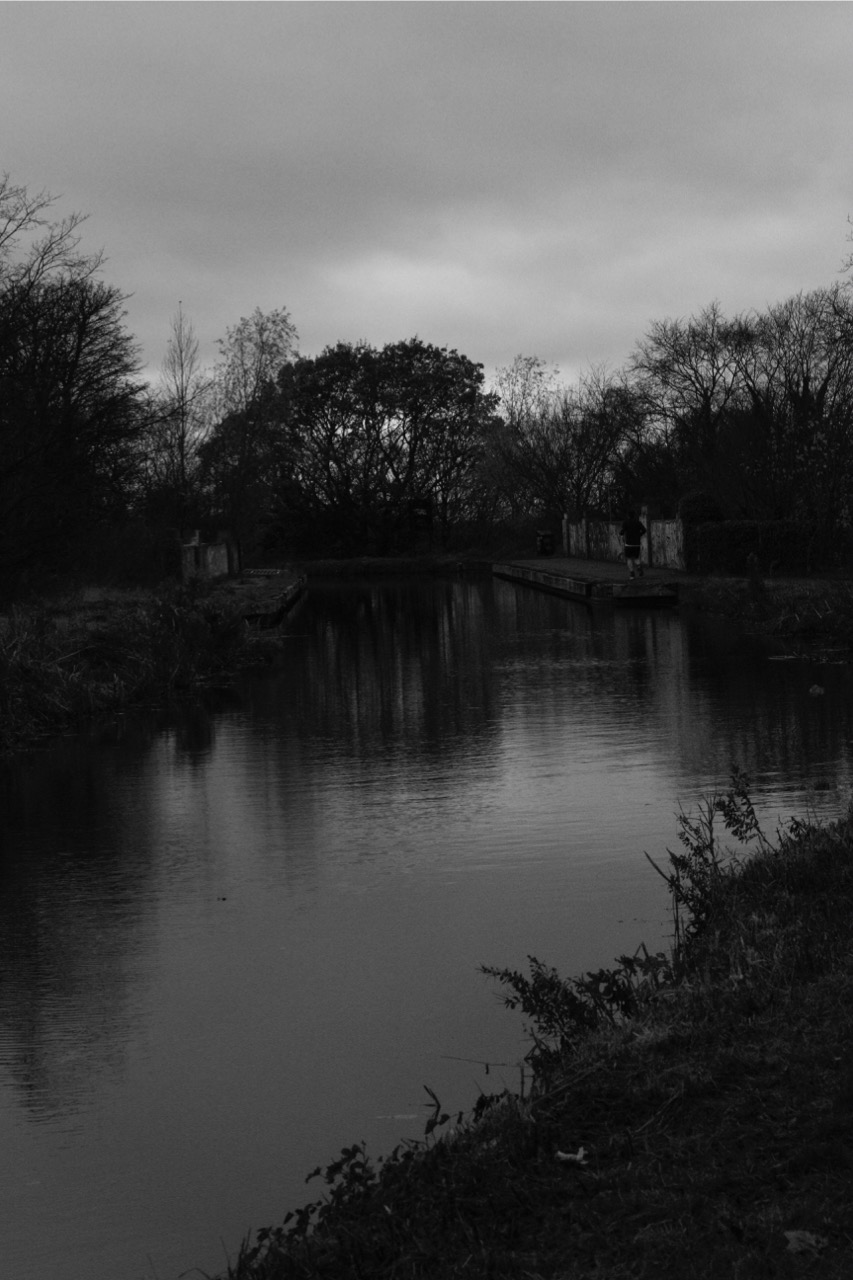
632,553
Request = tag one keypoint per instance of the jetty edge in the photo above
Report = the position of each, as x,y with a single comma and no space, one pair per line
593,583
702,1124
265,598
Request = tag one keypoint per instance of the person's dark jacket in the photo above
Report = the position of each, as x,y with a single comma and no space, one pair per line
632,531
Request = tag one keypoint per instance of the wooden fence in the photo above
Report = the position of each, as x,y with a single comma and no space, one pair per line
597,539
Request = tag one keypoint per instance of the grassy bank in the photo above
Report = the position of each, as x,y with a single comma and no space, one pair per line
688,1113
804,615
67,660
393,566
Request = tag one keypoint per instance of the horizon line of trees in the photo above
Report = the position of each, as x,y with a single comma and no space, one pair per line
363,450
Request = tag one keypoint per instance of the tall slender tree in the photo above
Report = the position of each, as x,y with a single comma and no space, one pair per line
179,426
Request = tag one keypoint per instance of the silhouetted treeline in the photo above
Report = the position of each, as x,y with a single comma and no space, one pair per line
362,450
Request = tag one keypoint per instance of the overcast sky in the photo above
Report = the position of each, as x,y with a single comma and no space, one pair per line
507,178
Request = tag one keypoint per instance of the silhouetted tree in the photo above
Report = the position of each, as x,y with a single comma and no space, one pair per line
237,457
558,445
180,422
688,377
368,435
71,409
794,439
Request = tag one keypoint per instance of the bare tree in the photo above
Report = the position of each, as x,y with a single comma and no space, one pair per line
557,445
180,424
250,357
688,374
70,408
796,439
525,387
236,457
34,246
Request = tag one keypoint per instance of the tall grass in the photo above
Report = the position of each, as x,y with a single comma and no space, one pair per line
805,615
61,665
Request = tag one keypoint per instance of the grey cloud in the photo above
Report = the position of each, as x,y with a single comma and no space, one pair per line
510,176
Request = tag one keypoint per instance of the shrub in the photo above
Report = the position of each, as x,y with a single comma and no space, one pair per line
784,546
698,507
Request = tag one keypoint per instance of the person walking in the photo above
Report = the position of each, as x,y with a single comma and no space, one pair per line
632,531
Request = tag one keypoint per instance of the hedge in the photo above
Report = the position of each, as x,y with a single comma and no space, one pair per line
779,546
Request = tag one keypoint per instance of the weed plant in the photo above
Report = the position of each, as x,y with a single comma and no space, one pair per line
688,1113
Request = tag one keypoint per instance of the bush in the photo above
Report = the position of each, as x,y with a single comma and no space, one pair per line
698,507
778,546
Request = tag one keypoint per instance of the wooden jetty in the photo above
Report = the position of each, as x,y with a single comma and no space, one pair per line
275,599
264,597
592,582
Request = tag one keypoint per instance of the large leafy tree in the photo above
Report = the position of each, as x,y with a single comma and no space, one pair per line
70,402
371,437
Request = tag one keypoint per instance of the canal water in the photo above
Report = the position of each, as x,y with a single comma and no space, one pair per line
239,936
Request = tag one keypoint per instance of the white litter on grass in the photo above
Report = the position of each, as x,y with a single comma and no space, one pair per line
805,1242
578,1158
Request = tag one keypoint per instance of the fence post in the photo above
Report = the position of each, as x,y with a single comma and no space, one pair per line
644,516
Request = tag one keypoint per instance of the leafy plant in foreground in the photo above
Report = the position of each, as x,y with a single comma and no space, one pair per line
695,877
453,1207
563,1010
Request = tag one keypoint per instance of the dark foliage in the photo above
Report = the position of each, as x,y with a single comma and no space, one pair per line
772,546
70,408
688,1111
378,450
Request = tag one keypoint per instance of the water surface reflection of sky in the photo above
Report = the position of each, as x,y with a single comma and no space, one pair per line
237,935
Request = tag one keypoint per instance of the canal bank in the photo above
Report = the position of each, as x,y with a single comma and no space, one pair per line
245,929
803,616
685,1112
69,660
804,612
